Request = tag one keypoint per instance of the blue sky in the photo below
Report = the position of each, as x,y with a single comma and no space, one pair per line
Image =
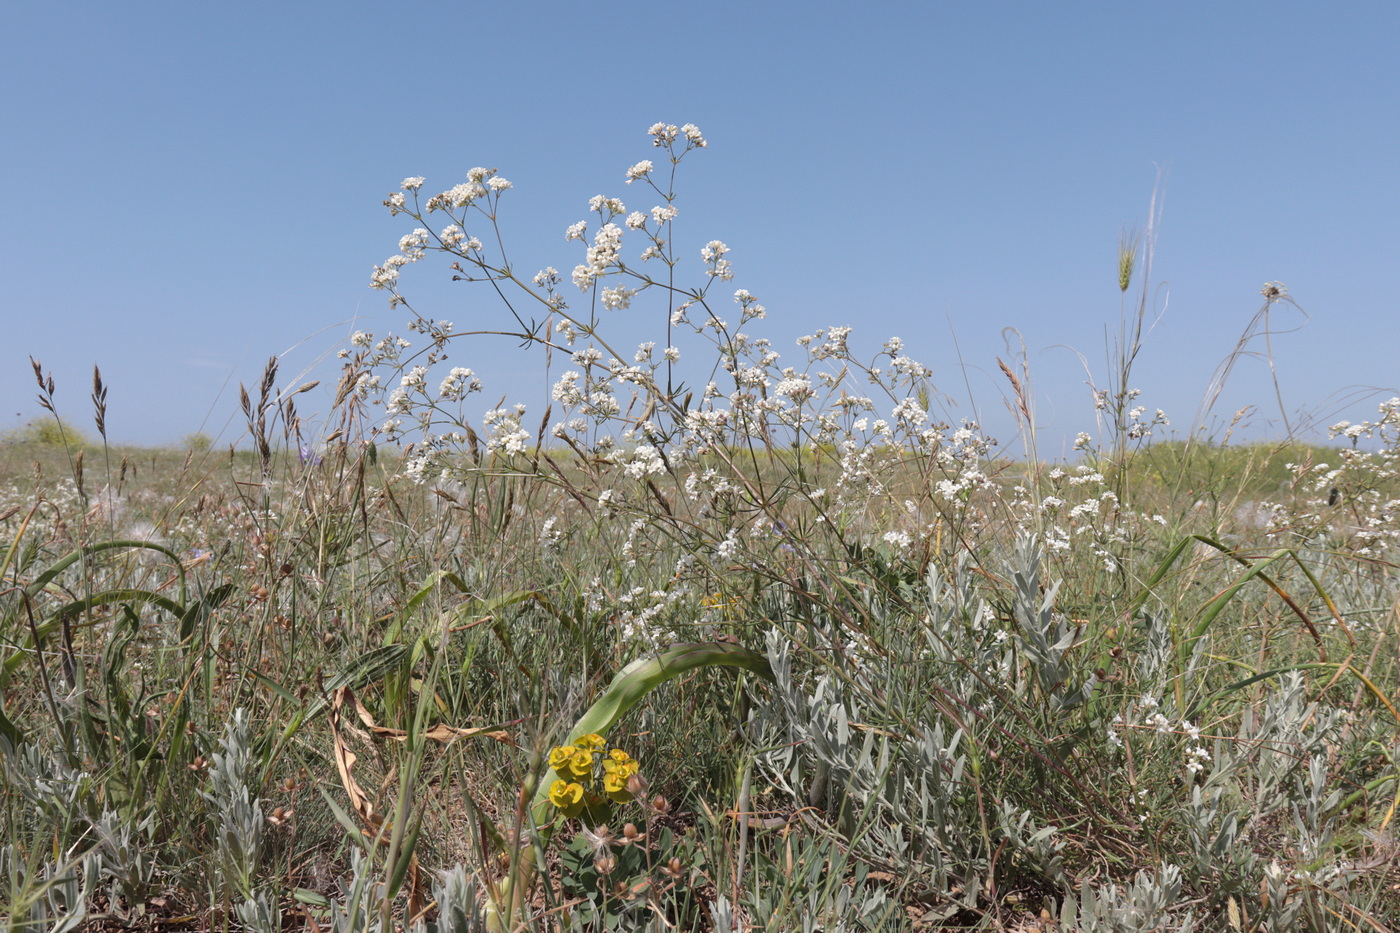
195,187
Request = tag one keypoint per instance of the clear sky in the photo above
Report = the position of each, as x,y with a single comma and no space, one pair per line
193,187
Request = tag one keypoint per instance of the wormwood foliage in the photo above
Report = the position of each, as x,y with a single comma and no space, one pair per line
721,639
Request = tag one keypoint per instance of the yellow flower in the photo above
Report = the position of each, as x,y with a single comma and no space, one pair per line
568,797
615,783
592,742
559,758
581,765
617,768
620,763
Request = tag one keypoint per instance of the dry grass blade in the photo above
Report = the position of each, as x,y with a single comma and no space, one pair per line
376,826
440,732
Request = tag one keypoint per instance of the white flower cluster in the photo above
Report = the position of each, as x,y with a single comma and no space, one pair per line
600,257
506,433
638,610
459,382
664,135
1352,499
641,461
866,433
1153,719
713,256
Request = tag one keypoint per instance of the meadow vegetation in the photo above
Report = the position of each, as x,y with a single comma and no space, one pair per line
718,642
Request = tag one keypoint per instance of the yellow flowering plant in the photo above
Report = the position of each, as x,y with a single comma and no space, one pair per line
585,742
588,776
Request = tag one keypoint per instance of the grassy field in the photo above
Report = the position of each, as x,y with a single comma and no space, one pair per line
781,651
241,693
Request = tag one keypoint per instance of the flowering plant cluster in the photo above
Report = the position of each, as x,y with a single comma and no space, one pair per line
652,432
590,774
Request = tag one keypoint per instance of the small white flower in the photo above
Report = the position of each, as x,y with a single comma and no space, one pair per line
383,277
600,204
549,535
796,386
412,244
713,250
641,170
619,298
459,381
412,184
464,194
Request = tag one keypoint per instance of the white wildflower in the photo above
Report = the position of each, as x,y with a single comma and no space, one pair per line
897,539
